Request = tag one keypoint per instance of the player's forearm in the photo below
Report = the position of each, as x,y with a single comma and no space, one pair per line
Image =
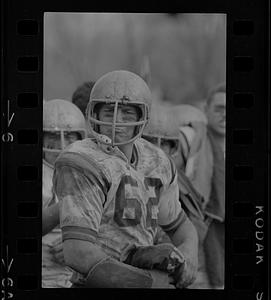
102,271
50,218
82,255
185,238
110,273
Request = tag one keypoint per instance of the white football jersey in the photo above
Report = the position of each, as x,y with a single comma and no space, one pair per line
106,200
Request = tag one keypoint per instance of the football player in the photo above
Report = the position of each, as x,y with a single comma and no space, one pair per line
192,124
63,124
179,129
165,129
114,190
162,130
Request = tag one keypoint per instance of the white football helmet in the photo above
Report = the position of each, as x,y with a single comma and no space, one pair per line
172,123
118,88
162,128
62,117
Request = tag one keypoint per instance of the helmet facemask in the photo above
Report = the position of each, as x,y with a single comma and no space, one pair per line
58,139
62,136
94,123
63,124
160,141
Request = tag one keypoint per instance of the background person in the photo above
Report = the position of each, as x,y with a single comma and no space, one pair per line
80,96
215,207
164,131
207,173
63,124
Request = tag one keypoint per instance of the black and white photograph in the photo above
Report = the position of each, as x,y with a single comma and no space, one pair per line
134,135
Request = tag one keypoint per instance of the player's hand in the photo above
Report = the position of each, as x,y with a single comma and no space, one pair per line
57,252
186,273
164,257
161,280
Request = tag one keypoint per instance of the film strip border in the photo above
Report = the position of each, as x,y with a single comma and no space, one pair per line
246,156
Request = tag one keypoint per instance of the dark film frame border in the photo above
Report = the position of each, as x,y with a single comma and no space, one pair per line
243,44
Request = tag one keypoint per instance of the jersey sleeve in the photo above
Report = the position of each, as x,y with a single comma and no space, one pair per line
81,201
171,214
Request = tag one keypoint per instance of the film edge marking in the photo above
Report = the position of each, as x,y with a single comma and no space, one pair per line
8,136
6,282
259,223
259,235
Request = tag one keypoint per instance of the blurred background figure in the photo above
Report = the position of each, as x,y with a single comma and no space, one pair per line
213,144
80,96
207,173
190,123
168,128
214,152
216,114
183,125
63,124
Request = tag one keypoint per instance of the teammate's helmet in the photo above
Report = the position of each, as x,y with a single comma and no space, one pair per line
118,88
62,116
168,123
163,128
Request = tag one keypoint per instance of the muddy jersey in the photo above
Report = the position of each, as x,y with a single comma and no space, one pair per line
53,274
106,200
